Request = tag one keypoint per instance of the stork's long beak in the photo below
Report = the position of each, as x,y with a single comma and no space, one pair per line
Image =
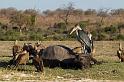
74,29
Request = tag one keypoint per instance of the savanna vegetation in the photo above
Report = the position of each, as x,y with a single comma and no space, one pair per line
31,24
53,25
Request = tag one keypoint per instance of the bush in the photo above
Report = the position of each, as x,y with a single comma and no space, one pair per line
35,36
120,37
120,25
59,33
60,27
9,35
107,33
83,24
111,29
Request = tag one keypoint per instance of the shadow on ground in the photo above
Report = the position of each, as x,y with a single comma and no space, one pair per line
5,64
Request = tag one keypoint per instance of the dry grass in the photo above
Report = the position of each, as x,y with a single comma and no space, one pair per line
110,69
101,47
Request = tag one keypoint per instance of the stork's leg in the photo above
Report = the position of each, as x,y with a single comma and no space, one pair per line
82,48
85,50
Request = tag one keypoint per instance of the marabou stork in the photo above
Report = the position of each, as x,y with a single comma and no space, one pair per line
84,38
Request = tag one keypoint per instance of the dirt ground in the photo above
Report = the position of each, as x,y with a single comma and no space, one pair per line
8,77
59,79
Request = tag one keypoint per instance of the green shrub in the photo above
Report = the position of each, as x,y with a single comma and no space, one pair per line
120,25
120,37
111,29
9,35
83,24
35,36
59,33
60,27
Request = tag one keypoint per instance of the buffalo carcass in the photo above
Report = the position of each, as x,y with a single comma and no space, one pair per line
78,51
59,55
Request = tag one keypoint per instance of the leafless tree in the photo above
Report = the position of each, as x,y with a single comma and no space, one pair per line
90,12
67,11
102,13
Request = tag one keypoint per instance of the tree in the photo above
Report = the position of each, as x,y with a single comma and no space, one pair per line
90,12
47,12
8,12
117,12
67,11
33,13
102,13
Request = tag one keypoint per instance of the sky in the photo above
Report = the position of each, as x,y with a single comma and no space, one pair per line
54,4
